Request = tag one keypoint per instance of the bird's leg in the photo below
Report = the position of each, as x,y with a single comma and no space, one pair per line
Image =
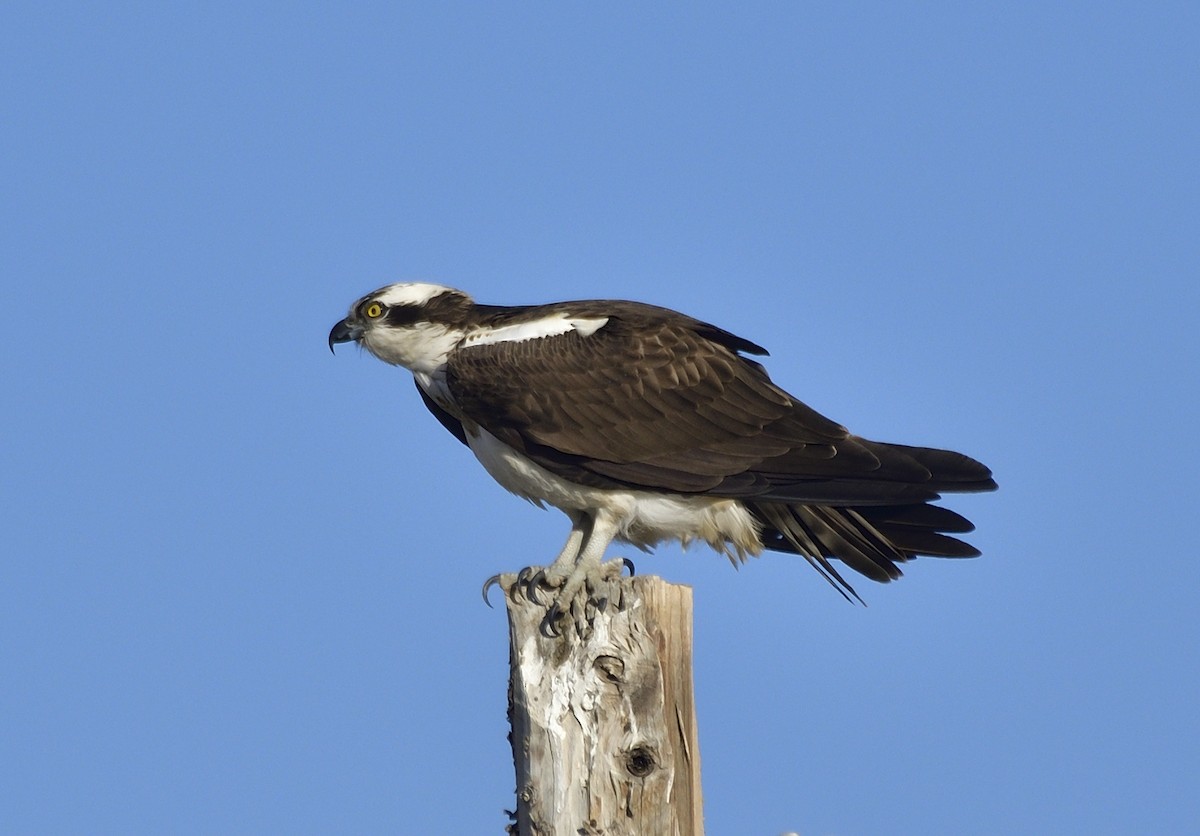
577,572
581,577
553,576
556,574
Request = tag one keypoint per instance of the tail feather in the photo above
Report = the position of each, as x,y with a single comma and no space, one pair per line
948,471
919,516
784,530
913,542
866,473
870,539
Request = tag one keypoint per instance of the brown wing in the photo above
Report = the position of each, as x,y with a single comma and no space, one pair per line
657,401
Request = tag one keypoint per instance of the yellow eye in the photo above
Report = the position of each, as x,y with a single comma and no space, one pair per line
373,310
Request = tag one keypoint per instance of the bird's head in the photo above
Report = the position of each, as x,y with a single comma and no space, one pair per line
413,324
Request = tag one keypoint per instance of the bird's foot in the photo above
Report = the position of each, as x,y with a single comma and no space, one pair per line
578,591
525,585
583,591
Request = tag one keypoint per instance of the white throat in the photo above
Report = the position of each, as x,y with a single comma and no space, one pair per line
421,348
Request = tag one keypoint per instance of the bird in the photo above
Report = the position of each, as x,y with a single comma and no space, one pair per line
644,425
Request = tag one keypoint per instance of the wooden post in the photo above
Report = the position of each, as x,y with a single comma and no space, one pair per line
604,724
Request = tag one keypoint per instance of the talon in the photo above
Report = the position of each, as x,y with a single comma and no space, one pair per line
494,580
572,594
586,612
538,580
549,627
525,579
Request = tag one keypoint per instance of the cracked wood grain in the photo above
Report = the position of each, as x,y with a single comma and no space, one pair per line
603,723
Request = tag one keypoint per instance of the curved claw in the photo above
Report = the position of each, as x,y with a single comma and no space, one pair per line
538,579
528,581
549,626
525,580
494,580
629,565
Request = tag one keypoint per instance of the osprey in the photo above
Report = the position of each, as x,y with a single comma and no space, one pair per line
644,425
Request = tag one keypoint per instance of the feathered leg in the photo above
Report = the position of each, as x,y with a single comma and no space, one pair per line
580,579
577,572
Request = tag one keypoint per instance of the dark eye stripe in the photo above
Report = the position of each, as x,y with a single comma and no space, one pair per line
402,315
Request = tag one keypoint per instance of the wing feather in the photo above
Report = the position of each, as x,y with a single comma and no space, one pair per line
659,401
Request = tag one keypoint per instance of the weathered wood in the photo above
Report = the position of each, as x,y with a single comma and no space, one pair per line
604,724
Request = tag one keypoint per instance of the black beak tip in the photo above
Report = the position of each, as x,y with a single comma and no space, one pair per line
343,332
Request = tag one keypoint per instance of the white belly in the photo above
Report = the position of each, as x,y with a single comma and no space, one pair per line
646,518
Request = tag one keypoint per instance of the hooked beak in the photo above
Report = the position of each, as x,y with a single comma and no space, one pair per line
343,332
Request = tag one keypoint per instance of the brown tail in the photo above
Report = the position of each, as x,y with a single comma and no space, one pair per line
870,539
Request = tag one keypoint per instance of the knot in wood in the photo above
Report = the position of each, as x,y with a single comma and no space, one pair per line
639,761
527,794
611,668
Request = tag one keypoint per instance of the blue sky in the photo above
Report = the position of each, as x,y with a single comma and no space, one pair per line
240,588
